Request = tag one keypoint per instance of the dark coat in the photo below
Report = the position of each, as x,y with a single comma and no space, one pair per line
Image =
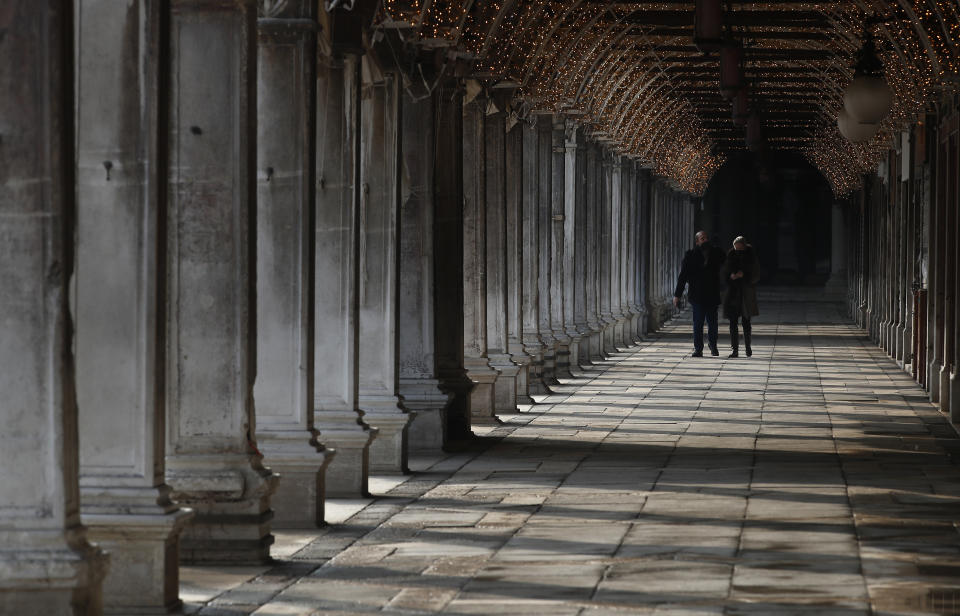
740,297
701,270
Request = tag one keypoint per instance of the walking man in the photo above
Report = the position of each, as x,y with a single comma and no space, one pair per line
701,270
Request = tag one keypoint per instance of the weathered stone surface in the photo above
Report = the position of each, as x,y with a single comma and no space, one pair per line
212,461
377,351
636,490
419,385
119,344
337,415
46,564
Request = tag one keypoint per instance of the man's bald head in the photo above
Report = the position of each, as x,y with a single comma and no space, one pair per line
701,237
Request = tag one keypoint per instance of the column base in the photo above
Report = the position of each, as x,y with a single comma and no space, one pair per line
944,401
144,575
505,387
231,497
596,345
47,576
347,475
933,383
609,339
954,399
481,398
298,500
428,403
388,453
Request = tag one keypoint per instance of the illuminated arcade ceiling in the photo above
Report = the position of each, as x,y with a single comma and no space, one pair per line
631,73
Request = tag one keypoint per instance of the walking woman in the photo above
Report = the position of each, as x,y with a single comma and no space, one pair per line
741,271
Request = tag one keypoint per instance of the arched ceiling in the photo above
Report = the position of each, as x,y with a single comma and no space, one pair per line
631,73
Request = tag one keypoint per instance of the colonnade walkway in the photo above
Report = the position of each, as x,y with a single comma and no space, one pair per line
812,478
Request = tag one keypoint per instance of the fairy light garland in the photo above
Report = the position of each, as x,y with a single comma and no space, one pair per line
600,61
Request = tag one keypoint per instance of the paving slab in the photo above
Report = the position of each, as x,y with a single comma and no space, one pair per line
813,478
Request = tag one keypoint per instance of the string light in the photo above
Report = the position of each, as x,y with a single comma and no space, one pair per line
623,78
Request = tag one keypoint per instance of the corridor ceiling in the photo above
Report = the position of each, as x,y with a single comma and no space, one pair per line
631,73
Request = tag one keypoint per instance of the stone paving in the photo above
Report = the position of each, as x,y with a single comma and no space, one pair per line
812,478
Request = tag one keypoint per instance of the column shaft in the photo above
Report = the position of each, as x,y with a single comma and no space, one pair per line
285,197
482,402
119,293
46,564
379,201
530,258
419,385
336,373
495,203
516,185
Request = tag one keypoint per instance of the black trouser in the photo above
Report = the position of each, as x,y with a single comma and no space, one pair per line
735,335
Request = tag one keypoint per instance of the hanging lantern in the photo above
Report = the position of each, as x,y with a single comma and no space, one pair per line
855,131
731,69
868,98
708,25
741,107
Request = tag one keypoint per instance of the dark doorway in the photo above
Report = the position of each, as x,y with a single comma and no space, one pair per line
782,205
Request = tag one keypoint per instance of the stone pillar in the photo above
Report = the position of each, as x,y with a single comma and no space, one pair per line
606,255
336,375
545,239
378,304
212,460
616,249
495,229
483,376
572,190
594,201
285,196
530,258
118,297
46,564
448,266
419,385
581,279
950,244
628,270
643,254
558,205
516,185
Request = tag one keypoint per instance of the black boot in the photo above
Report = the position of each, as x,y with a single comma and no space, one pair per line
734,339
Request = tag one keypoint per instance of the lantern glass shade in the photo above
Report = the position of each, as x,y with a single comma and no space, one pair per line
868,99
855,131
741,107
708,25
731,70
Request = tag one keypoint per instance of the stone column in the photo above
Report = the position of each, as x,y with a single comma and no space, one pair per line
516,185
119,293
643,254
46,564
379,200
494,166
212,460
419,385
594,206
285,196
336,375
572,190
616,249
558,205
627,270
530,278
483,376
606,255
545,240
581,279
448,266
